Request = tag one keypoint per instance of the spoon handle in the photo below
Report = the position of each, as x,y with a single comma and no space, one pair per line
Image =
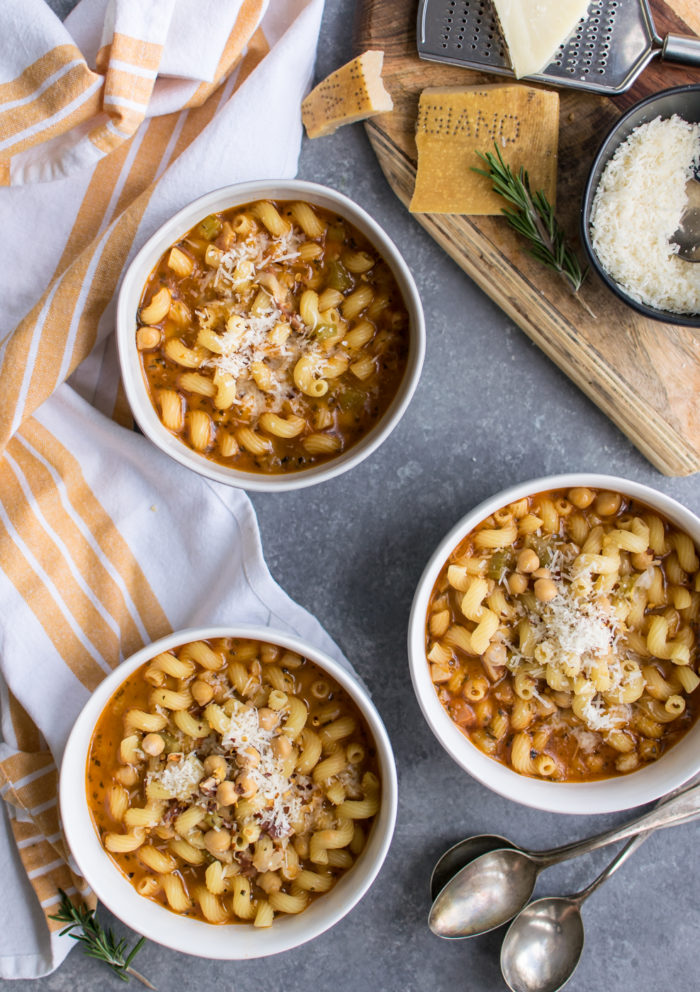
678,809
617,862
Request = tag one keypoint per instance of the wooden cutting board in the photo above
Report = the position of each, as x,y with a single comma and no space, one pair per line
645,375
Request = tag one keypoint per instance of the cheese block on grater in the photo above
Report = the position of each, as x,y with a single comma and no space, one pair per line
454,123
534,30
352,93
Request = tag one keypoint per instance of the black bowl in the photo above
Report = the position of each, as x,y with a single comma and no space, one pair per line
682,100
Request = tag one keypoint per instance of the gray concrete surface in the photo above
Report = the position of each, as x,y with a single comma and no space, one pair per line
490,410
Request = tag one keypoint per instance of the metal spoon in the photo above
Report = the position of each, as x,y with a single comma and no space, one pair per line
687,237
460,854
492,888
544,942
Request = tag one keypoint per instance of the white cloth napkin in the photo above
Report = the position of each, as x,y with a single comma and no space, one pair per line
111,122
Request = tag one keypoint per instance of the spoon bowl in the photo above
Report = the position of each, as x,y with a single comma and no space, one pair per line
485,894
459,855
543,946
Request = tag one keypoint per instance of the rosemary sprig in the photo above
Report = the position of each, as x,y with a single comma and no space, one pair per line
99,943
533,217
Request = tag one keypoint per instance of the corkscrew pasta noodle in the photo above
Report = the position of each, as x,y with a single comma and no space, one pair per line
231,780
561,635
272,337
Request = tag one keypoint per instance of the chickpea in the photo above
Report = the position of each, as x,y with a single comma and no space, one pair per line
249,757
217,841
517,583
202,692
607,504
267,718
581,497
246,786
226,794
545,590
215,764
153,744
128,775
281,747
542,573
147,338
527,561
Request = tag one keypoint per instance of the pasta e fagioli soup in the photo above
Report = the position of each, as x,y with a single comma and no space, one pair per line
273,336
561,634
232,780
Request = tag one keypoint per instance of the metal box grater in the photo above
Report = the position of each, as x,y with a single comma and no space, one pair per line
605,54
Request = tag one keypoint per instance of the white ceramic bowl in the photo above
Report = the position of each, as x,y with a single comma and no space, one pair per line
235,941
171,232
674,767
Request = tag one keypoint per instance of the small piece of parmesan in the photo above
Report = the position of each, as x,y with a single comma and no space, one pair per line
352,93
637,209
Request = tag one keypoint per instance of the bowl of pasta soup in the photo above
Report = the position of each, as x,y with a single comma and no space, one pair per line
553,643
229,792
270,335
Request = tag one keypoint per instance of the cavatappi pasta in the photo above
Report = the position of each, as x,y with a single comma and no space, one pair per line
272,336
562,635
232,780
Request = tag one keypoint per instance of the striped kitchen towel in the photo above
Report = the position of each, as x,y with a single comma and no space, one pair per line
109,123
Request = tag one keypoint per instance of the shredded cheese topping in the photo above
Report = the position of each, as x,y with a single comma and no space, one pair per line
180,777
576,631
283,797
247,338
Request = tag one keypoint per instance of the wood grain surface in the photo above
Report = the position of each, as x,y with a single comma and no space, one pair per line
645,375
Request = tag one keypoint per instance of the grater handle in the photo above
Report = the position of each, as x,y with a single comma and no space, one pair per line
681,48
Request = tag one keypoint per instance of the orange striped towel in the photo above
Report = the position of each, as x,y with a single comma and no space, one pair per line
108,124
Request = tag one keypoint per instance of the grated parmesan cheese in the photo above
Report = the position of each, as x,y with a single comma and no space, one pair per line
577,629
247,337
637,209
180,778
283,797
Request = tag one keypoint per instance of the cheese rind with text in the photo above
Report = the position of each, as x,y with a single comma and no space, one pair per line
454,123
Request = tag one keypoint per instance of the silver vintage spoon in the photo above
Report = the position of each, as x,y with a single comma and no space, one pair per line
544,942
492,888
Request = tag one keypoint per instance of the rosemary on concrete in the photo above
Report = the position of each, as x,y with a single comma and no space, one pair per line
97,942
532,216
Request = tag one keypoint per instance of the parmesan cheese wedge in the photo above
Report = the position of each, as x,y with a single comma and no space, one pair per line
352,93
534,30
454,123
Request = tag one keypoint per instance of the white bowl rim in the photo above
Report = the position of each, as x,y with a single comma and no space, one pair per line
234,941
167,234
674,768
